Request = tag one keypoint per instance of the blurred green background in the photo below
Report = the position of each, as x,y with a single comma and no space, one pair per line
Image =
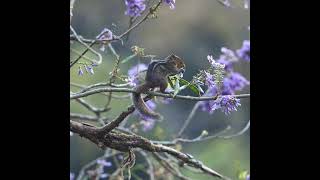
192,31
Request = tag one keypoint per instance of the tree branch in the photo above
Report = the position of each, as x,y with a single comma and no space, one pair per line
127,90
151,11
123,142
204,138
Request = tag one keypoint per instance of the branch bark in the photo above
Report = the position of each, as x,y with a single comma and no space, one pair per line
124,142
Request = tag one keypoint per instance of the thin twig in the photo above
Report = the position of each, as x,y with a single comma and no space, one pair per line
91,163
88,48
113,73
150,170
186,123
71,8
205,138
164,163
75,116
151,11
90,107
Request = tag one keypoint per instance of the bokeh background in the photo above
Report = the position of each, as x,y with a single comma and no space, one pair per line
192,30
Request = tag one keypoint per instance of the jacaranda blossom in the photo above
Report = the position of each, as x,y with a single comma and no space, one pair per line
133,73
103,162
206,105
234,82
244,51
226,103
71,176
134,7
171,3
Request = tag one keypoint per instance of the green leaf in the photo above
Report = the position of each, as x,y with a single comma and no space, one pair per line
128,58
243,175
192,87
171,83
176,88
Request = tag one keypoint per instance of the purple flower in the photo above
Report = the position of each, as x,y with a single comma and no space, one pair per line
94,64
105,175
151,105
226,103
228,55
133,73
228,65
246,4
244,51
80,71
226,88
206,105
103,162
71,176
134,7
225,3
105,35
147,124
235,82
171,3
209,81
215,64
89,69
248,177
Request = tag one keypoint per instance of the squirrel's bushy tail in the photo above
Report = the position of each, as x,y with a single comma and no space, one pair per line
139,104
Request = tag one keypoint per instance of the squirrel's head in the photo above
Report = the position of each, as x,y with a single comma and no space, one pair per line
176,64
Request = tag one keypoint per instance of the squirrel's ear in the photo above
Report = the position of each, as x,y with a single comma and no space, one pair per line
171,56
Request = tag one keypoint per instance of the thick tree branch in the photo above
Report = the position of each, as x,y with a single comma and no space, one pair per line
127,90
124,142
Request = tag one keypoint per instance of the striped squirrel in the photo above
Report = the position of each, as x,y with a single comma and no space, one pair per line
157,76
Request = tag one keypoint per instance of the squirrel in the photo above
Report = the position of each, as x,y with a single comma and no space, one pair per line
157,76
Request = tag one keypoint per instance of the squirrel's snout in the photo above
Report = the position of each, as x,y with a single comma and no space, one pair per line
182,70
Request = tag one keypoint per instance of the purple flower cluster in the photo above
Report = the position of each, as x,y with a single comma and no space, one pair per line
88,68
134,7
71,176
244,51
206,106
104,163
105,35
209,80
171,3
133,74
232,81
248,177
226,103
